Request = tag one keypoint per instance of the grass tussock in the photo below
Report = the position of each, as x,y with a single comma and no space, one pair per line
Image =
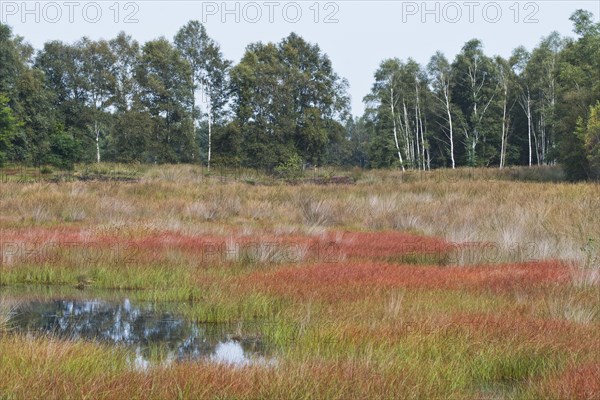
6,308
442,285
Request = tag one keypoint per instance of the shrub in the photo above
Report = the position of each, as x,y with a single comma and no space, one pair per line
291,169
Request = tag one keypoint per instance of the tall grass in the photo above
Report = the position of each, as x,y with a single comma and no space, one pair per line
550,220
443,284
5,311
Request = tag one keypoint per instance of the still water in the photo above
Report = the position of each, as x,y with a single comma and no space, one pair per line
154,336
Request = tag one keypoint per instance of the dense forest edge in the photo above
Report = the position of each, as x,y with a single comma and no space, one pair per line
283,107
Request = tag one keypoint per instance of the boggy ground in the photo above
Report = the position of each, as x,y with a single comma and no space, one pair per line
440,285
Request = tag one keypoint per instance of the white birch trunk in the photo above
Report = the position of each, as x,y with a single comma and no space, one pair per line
209,133
448,110
395,129
529,127
410,153
504,131
97,132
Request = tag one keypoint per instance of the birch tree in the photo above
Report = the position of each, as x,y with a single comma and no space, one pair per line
98,70
288,101
191,40
126,53
439,73
386,99
475,88
164,79
521,59
506,81
216,89
208,75
542,71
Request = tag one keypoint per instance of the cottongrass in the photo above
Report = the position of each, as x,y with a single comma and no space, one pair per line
314,211
570,310
462,206
394,305
584,277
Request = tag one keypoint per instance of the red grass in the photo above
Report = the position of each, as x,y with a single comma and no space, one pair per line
578,383
151,245
566,335
333,266
387,244
329,279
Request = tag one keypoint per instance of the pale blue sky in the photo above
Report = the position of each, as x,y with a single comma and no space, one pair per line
360,33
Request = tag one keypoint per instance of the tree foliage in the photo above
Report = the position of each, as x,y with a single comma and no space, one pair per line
283,105
288,102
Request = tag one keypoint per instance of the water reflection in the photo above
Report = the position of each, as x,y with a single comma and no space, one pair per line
156,337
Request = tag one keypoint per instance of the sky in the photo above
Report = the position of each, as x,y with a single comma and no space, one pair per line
356,34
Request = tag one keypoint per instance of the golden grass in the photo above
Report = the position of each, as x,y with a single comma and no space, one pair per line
448,284
525,220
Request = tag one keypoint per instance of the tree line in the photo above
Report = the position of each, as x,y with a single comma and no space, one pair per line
283,105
